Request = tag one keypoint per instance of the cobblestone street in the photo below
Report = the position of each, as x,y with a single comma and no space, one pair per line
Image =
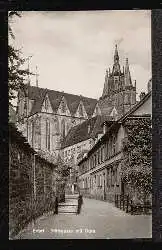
98,219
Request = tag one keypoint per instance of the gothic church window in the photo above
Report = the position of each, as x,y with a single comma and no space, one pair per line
37,132
114,145
48,134
55,126
63,128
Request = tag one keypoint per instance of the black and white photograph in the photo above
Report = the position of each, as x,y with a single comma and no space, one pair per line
80,121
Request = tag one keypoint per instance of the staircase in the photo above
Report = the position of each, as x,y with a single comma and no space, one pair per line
70,205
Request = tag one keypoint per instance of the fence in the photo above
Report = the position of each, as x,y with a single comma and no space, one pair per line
125,203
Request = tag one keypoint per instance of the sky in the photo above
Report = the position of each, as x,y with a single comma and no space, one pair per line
72,50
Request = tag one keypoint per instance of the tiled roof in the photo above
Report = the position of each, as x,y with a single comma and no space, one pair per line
38,95
80,132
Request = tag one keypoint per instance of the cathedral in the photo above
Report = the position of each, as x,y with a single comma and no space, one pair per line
55,121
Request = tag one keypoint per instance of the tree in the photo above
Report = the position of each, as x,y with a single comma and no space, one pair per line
16,73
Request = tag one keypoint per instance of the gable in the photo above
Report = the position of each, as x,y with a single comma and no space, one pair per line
63,108
114,112
81,112
37,94
97,110
46,106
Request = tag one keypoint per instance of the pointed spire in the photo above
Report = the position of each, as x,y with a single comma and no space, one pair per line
127,74
116,66
116,55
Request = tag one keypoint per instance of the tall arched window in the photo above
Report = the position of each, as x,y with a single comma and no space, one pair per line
56,126
63,128
37,133
113,145
48,134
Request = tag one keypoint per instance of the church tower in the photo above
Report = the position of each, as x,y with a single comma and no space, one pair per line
118,86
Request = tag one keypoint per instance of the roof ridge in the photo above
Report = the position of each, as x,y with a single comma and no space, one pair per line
61,92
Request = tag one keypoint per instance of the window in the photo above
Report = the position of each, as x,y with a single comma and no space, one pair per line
63,128
100,180
106,150
95,179
114,145
98,156
101,154
55,126
95,160
48,134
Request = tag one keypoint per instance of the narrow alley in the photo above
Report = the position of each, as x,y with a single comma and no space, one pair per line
98,219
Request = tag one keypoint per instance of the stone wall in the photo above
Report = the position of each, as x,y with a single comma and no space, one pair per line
32,183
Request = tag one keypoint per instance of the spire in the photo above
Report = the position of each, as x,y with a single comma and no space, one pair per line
116,56
127,74
116,66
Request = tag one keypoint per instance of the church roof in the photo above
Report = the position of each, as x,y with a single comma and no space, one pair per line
38,94
80,132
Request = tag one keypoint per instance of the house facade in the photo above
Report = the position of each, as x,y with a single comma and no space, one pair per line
100,171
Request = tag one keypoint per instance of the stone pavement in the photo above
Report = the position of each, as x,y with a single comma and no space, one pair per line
97,220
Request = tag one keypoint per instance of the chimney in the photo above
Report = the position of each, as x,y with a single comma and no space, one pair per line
142,95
